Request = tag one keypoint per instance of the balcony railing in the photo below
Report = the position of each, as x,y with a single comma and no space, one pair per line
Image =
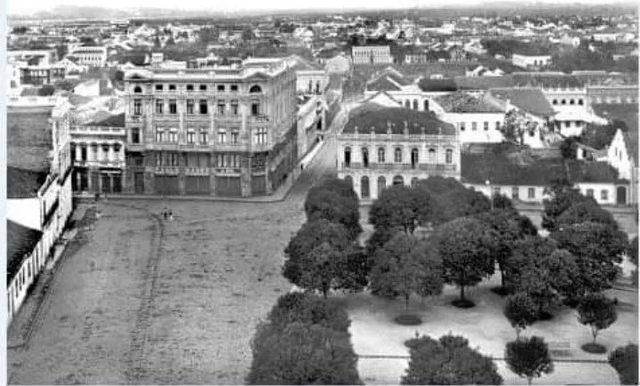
167,170
231,171
398,166
99,163
196,171
259,118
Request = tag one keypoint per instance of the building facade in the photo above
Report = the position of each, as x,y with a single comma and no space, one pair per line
530,61
91,56
384,146
227,131
371,55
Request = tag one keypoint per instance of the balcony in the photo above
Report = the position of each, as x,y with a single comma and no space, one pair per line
96,130
196,171
228,171
100,164
397,166
167,170
259,118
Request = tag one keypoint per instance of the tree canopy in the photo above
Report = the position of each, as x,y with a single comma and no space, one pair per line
334,200
625,360
562,198
401,206
529,358
448,361
308,309
521,311
598,312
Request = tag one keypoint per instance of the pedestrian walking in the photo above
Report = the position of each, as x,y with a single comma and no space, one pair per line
164,213
170,215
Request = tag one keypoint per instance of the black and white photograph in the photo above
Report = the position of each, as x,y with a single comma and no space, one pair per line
370,192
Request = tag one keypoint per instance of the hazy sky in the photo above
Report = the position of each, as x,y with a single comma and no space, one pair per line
22,6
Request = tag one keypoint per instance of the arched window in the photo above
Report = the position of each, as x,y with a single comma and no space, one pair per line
347,157
414,158
318,87
563,102
364,187
449,156
415,104
255,89
407,104
426,105
382,184
555,102
398,180
310,86
381,155
432,156
137,90
397,155
365,157
349,180
572,102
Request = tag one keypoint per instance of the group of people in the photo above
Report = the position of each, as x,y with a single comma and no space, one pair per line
167,214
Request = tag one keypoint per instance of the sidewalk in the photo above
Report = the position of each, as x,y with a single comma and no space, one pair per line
279,195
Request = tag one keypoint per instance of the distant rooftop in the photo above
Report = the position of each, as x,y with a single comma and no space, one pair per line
460,102
532,101
29,138
22,183
372,116
545,80
111,121
20,243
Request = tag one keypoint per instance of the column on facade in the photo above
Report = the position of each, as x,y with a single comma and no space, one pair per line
112,156
79,152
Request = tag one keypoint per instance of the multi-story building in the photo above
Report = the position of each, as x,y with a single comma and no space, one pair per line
41,75
97,153
33,57
91,56
38,190
527,60
371,55
225,131
383,146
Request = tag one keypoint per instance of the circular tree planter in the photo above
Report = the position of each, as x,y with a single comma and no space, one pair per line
408,320
463,303
594,348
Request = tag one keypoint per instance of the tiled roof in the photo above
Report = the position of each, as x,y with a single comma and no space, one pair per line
532,101
20,243
545,80
111,121
582,171
383,84
379,118
436,85
483,83
460,102
22,183
501,169
29,138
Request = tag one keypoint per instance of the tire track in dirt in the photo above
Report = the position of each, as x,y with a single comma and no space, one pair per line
135,370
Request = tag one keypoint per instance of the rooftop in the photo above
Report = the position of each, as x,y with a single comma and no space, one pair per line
460,102
545,80
29,137
510,169
112,121
483,83
582,171
531,101
20,243
22,183
373,116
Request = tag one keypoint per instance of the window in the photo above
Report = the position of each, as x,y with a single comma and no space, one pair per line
486,126
203,106
255,108
235,136
497,125
137,90
580,102
159,135
397,155
572,102
432,156
255,89
137,107
365,157
364,187
604,195
159,106
173,106
173,136
461,126
555,102
515,193
173,158
474,126
222,136
531,193
347,157
135,135
172,87
234,106
261,135
563,102
204,136
220,160
381,155
589,192
496,191
189,87
234,87
221,107
221,87
567,124
191,136
449,156
159,87
190,104
203,87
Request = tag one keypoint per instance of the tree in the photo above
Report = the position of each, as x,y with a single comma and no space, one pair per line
156,43
61,50
625,360
521,311
401,206
311,235
598,249
302,354
632,251
334,200
451,199
466,247
405,266
65,85
308,309
46,90
448,361
598,312
585,211
528,358
562,198
507,230
569,148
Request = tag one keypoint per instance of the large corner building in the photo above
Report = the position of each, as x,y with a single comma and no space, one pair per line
222,131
